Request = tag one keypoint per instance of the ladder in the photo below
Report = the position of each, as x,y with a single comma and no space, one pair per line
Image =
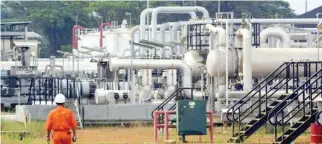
73,105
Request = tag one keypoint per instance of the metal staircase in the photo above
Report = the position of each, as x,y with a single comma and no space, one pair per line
265,96
176,95
305,108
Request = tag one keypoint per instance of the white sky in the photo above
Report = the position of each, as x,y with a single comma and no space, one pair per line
299,5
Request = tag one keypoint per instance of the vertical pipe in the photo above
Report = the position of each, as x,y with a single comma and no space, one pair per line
101,32
74,38
26,33
227,47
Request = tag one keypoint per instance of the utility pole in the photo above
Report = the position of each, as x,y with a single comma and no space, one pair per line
218,5
305,6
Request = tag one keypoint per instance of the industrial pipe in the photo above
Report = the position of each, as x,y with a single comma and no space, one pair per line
116,64
219,34
275,21
74,41
132,38
247,58
158,10
276,32
101,32
144,14
162,30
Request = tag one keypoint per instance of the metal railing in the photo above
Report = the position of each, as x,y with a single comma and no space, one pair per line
175,95
308,93
262,92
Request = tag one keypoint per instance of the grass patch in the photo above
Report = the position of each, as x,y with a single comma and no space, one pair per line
135,132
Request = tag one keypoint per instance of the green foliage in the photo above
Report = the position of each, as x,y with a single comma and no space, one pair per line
55,19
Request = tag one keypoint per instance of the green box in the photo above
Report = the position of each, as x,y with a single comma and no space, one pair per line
191,117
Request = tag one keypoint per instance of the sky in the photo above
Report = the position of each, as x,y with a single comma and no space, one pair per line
299,5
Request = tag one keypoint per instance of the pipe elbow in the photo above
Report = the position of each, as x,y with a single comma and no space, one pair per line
204,11
276,32
219,32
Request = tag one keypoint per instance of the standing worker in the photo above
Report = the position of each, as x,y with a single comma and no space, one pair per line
61,120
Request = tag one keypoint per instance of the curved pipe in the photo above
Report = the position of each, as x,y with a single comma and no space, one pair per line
276,32
144,14
132,38
101,33
219,34
247,58
158,10
74,41
116,64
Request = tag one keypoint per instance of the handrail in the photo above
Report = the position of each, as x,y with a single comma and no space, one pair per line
167,100
285,67
303,101
294,94
242,101
274,88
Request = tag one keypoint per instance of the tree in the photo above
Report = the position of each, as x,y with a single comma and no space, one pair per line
54,20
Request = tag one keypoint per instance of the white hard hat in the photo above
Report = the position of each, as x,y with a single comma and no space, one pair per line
60,98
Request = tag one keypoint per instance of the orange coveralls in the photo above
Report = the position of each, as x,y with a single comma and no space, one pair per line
61,120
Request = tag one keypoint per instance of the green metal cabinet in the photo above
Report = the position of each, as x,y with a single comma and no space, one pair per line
191,117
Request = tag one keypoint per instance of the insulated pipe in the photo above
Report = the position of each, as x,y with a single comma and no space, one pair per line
116,64
162,30
174,32
145,12
132,38
74,41
219,34
247,58
276,32
158,10
101,32
275,21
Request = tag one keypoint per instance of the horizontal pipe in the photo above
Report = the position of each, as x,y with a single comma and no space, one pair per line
116,64
276,21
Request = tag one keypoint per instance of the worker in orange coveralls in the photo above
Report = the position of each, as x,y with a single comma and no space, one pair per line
61,120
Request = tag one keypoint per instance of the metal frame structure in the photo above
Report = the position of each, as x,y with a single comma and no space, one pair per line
166,126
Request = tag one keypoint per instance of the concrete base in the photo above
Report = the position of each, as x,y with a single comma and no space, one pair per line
103,113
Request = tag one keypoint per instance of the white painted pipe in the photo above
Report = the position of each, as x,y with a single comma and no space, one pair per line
132,38
276,21
247,58
276,32
116,64
219,34
162,30
144,14
240,94
158,10
174,29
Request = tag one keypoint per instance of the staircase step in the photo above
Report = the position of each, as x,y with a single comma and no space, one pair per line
248,125
301,122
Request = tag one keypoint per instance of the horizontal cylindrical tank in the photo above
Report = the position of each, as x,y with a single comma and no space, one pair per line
264,60
110,96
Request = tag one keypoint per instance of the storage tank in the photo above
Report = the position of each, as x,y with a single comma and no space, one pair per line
264,60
